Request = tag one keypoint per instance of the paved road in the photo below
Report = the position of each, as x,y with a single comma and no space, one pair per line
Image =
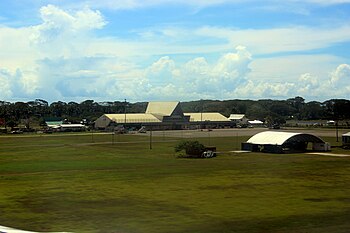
242,132
201,133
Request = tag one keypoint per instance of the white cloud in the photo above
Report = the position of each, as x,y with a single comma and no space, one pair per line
209,39
198,65
325,2
33,54
16,50
198,77
267,41
254,90
309,80
166,80
308,85
64,34
133,4
341,76
336,85
289,67
164,64
5,88
233,64
55,18
18,82
63,59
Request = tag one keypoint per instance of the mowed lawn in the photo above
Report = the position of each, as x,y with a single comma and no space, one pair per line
85,183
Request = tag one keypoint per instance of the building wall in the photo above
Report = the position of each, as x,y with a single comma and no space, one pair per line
102,122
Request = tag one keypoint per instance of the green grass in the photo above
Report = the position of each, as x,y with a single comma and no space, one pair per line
67,183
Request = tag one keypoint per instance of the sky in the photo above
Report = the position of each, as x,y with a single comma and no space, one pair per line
180,50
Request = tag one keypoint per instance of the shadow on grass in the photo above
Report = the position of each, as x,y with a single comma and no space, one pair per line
318,223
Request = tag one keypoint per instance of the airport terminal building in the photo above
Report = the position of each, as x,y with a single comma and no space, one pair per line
162,116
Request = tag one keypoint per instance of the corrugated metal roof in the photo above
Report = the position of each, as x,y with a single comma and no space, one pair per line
206,116
236,116
161,108
133,118
279,138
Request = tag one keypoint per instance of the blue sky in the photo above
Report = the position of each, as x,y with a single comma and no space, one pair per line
174,50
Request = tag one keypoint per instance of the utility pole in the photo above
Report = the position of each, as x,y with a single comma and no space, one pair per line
201,113
92,135
113,135
336,130
125,111
150,138
209,135
92,132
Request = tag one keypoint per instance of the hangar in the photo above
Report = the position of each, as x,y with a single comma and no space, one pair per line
284,142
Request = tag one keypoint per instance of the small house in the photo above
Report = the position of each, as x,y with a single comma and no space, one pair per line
346,140
238,119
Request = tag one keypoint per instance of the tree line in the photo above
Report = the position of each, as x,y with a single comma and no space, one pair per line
272,111
276,111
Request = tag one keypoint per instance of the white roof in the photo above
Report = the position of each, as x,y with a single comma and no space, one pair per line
256,122
71,125
133,118
206,116
278,138
236,116
54,126
347,134
161,108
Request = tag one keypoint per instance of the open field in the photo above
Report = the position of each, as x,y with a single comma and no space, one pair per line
105,183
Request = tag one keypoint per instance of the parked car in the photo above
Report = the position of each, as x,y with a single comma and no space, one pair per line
17,132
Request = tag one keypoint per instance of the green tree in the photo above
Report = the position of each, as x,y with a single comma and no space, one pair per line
192,148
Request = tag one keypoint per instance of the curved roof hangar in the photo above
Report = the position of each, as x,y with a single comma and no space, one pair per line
282,138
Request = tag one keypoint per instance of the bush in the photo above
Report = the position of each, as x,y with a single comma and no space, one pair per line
193,149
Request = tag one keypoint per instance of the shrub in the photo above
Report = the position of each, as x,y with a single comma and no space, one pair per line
193,149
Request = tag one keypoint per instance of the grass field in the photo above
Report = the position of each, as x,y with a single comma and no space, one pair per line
85,183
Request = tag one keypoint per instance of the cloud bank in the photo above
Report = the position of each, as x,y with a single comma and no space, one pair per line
63,58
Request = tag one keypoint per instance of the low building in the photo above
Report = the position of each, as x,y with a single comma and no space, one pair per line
208,119
72,128
66,127
238,119
330,123
53,124
133,118
346,140
256,123
284,142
